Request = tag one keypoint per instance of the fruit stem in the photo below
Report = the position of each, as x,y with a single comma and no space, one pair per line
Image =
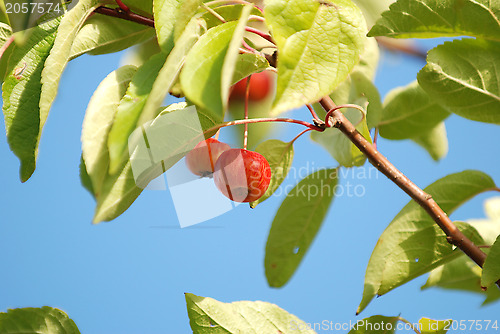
313,113
247,96
263,120
260,33
298,136
335,108
122,6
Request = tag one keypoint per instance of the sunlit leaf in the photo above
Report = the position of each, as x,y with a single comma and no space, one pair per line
280,156
165,15
409,112
60,54
376,324
435,141
296,224
98,122
491,268
438,18
105,34
430,326
21,94
209,316
201,77
306,32
463,77
130,108
46,320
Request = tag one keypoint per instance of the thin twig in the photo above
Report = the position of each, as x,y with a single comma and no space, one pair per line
454,235
398,46
129,16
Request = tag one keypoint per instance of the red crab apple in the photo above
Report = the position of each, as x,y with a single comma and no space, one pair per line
260,85
201,159
241,175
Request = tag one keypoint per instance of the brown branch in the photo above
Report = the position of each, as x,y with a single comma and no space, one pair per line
401,46
454,235
129,16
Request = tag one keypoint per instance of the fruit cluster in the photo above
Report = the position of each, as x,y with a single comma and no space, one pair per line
239,174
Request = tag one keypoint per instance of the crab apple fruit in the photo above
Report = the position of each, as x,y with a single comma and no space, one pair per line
201,159
241,175
260,86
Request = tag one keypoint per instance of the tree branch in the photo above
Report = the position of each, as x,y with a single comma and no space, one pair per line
454,235
129,16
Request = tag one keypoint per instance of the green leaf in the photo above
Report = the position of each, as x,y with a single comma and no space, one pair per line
296,224
409,112
45,320
60,53
117,194
130,108
467,85
461,274
201,77
21,94
139,54
372,10
157,145
165,15
105,34
435,141
339,146
169,73
430,326
228,12
232,56
306,32
439,18
412,244
491,268
138,6
85,178
280,156
98,122
247,64
188,9
207,316
376,324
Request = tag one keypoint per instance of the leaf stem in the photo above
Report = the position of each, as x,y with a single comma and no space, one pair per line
247,95
454,235
299,135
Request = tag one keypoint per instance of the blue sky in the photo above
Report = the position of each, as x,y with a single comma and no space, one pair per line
129,276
